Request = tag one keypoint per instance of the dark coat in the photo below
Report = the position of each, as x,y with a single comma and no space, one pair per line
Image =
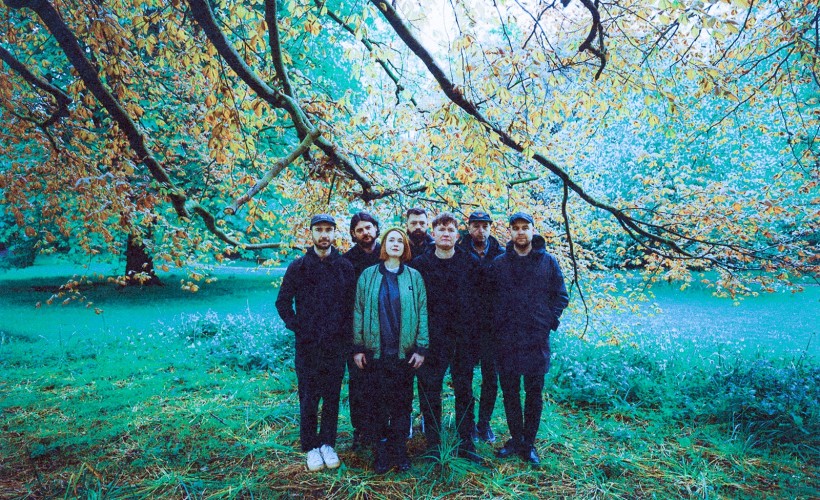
361,260
494,249
423,247
530,296
484,293
323,294
451,300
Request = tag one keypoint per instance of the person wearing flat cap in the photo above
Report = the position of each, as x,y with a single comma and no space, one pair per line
529,297
485,247
320,285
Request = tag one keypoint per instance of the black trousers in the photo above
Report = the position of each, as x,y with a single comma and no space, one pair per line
489,382
523,426
319,373
392,391
430,384
361,409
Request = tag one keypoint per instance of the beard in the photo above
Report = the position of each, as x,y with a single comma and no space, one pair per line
522,246
365,241
322,244
417,235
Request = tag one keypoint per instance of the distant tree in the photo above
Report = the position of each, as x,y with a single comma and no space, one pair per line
690,128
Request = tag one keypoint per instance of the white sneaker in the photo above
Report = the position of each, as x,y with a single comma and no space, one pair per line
314,460
329,456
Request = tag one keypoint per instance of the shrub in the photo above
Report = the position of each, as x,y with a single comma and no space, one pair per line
773,403
245,341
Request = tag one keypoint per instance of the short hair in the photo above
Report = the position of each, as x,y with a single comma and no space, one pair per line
406,254
359,217
443,219
415,211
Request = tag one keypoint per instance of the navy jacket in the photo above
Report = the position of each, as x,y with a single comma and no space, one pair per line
530,296
484,293
323,294
361,260
451,300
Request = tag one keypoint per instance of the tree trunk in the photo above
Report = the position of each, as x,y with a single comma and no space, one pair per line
139,266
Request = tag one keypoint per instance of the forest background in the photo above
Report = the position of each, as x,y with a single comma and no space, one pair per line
655,142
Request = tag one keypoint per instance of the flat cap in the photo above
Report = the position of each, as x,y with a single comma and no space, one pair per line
322,218
479,217
521,216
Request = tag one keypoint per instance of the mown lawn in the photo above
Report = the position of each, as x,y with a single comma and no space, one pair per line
203,405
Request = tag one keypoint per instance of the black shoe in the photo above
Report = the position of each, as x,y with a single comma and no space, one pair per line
530,455
485,433
469,453
382,464
510,448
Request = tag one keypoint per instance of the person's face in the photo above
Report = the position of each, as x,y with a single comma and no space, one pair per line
364,233
323,235
417,226
445,236
479,231
394,244
521,232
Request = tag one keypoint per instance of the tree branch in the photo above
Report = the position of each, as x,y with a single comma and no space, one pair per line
202,13
455,95
575,280
369,46
596,29
91,78
61,98
273,172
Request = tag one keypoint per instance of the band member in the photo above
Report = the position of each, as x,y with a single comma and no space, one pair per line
364,230
320,285
530,296
390,342
449,276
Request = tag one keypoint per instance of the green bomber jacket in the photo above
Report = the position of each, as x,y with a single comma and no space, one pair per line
413,336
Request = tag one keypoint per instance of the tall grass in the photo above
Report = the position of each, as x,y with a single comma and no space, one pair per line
206,407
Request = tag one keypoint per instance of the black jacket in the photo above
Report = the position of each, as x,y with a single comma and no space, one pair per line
494,249
361,260
323,294
422,248
529,296
484,293
451,299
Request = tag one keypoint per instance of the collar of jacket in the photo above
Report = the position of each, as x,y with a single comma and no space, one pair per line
358,250
466,244
383,268
539,246
312,256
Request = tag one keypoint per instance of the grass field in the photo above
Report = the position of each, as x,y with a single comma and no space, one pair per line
179,395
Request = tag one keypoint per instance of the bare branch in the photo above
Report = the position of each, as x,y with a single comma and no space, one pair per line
575,280
596,29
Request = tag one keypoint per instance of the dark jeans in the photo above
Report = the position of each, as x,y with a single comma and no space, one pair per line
319,373
523,427
392,391
430,384
361,409
489,383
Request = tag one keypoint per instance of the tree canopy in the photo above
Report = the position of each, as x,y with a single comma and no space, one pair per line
673,135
